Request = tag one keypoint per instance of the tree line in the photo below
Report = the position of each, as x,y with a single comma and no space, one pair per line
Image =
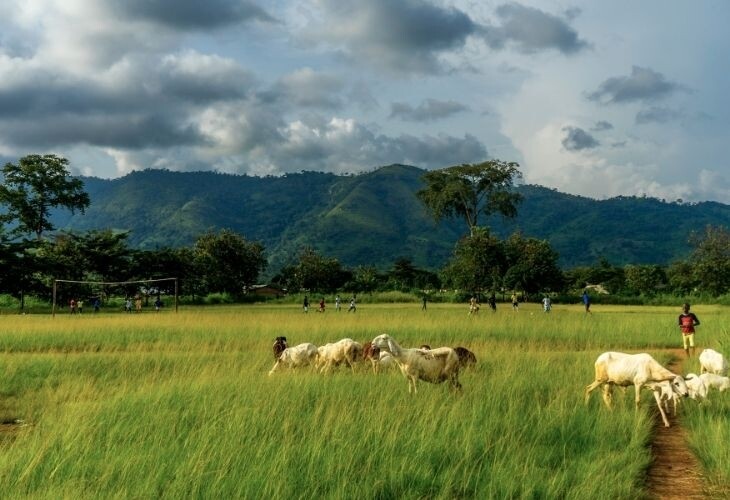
33,254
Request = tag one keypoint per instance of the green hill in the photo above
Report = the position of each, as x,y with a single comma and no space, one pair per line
374,217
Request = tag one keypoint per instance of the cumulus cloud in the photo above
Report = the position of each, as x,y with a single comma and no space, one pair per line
577,139
532,30
343,145
644,84
404,37
428,110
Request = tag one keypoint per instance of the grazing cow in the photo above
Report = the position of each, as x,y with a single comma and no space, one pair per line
617,368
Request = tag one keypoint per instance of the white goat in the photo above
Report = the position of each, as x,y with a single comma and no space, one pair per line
435,365
696,388
663,393
713,381
712,361
294,357
345,350
617,368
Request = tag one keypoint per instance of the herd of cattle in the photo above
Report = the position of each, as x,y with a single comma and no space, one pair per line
444,363
641,370
383,352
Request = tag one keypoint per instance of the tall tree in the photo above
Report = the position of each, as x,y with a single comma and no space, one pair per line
477,264
228,262
470,189
711,260
34,186
532,265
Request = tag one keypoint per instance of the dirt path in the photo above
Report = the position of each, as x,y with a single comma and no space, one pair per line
675,472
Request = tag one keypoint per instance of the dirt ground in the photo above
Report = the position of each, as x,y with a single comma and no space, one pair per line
675,472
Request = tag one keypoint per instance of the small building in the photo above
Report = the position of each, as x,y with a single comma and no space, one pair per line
271,291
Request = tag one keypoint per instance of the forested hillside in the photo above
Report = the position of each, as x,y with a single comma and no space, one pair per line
374,217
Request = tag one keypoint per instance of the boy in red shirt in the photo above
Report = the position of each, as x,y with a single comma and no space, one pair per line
687,322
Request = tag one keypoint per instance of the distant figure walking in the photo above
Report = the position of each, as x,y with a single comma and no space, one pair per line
337,303
515,302
138,303
305,306
493,302
80,306
128,305
546,304
72,305
473,306
321,306
353,307
158,304
587,302
687,322
97,304
425,300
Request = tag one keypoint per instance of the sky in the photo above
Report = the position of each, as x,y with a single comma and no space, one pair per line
599,99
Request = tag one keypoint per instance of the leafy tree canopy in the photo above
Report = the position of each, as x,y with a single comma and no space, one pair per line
34,186
470,189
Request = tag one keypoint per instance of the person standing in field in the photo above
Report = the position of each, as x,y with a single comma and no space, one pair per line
80,306
305,305
493,302
353,307
473,305
687,322
546,304
515,302
587,301
138,303
337,303
425,300
321,306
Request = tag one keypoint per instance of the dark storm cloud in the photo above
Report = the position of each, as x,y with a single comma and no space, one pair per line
191,14
428,110
118,131
531,30
402,36
601,125
149,107
658,114
643,84
577,139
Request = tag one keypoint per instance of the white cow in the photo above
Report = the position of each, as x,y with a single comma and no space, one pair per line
639,370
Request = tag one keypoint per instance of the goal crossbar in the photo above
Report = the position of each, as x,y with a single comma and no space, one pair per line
112,283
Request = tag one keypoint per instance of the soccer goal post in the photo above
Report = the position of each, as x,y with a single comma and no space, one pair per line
56,282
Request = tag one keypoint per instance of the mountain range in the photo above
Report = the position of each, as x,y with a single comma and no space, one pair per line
375,217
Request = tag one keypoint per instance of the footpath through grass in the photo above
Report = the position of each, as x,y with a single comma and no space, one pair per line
120,406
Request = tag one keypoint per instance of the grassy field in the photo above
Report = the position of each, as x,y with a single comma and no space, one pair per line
180,405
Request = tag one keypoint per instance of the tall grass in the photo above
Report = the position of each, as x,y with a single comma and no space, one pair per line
166,405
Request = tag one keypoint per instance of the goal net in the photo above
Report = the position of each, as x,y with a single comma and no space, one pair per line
131,296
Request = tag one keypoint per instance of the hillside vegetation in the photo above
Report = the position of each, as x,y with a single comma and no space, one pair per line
375,217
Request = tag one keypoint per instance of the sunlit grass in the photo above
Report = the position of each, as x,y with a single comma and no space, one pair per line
179,405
